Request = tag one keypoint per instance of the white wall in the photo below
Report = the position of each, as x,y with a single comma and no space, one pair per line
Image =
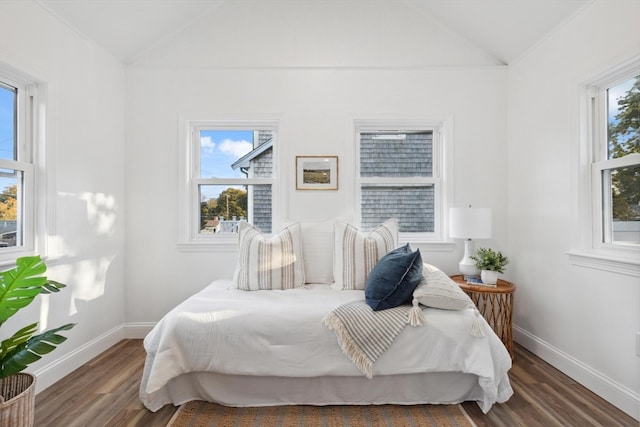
368,65
85,160
580,319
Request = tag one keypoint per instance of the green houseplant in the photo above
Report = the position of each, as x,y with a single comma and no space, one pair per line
19,286
490,263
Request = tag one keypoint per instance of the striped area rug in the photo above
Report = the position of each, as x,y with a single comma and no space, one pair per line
197,414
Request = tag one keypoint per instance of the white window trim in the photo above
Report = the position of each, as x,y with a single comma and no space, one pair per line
602,224
33,146
189,240
588,248
27,226
442,127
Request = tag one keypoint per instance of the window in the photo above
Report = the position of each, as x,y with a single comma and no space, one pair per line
401,175
616,167
230,168
610,167
16,167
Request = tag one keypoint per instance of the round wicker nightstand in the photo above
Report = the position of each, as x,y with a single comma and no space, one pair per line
495,304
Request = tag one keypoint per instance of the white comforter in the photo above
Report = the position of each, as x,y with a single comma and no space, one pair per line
280,333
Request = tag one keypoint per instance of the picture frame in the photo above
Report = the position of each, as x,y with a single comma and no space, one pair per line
316,172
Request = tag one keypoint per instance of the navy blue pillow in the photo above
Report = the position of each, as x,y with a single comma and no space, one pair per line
393,279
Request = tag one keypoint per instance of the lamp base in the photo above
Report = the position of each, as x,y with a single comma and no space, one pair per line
466,265
469,271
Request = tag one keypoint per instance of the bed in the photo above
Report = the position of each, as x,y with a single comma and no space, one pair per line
271,346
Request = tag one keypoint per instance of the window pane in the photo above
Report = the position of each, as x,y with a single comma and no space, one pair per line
10,213
235,153
394,154
623,117
8,135
413,206
222,207
624,190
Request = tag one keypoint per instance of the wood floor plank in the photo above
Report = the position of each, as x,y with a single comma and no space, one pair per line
104,392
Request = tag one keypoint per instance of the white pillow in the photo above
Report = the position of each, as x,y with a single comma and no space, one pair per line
317,251
438,290
276,263
356,253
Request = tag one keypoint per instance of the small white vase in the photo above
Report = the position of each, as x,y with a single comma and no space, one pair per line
489,277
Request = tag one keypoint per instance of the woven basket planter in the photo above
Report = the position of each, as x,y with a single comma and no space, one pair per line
17,400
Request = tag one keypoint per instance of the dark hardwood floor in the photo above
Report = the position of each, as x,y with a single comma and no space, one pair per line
104,392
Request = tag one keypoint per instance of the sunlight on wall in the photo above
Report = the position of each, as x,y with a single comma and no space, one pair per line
101,212
56,246
44,312
86,215
88,278
81,264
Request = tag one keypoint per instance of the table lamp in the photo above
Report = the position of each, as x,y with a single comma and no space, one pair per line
469,223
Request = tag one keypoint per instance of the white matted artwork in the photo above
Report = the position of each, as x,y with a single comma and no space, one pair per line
316,172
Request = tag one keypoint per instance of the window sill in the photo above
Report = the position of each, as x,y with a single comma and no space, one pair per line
221,245
630,267
11,255
431,246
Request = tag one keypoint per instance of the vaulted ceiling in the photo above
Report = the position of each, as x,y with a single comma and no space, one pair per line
503,29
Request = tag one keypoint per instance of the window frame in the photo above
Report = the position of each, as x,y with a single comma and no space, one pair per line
441,178
29,130
593,247
189,237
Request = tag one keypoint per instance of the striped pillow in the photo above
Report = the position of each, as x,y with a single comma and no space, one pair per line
357,253
275,263
438,290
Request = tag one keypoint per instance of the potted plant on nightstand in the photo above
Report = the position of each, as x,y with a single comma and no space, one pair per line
18,288
490,263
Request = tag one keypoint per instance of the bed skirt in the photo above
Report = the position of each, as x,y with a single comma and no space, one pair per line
241,390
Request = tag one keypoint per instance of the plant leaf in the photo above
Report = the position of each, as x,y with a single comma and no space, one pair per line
52,286
22,353
21,284
17,339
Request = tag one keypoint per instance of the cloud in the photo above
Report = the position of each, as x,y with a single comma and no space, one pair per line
235,148
207,144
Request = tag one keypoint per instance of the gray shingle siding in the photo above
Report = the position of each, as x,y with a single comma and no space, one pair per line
412,206
262,167
262,207
412,156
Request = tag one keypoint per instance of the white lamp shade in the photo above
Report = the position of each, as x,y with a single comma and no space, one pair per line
470,223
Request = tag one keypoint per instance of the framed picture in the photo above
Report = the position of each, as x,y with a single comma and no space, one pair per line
316,172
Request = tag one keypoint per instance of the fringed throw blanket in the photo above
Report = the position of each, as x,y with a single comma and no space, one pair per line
364,334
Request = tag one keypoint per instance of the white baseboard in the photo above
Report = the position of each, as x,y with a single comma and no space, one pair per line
59,368
134,331
615,393
68,363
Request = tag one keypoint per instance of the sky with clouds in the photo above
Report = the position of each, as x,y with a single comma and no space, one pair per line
6,123
219,149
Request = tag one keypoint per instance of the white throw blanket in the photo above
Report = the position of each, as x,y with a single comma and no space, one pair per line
365,334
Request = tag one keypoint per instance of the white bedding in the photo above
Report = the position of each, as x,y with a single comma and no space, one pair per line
280,333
